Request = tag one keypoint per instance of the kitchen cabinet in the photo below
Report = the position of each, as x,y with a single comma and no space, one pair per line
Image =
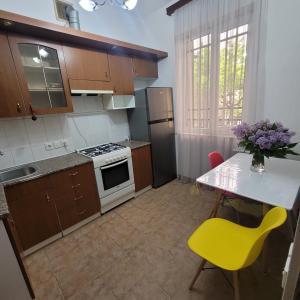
76,194
33,211
86,65
11,104
42,75
144,68
121,74
142,167
42,208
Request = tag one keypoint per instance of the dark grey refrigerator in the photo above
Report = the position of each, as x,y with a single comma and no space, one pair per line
153,120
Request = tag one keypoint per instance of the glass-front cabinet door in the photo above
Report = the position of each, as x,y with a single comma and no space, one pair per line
42,74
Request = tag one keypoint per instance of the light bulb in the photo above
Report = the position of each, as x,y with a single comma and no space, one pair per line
43,53
129,4
88,5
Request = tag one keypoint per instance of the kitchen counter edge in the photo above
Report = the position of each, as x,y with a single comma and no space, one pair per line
134,144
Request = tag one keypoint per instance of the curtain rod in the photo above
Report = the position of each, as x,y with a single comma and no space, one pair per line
171,9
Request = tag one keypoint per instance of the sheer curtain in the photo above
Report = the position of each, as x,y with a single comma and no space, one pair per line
219,76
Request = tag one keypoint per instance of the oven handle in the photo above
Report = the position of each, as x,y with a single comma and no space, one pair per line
116,164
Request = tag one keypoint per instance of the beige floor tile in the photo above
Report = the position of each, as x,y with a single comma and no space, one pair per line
139,251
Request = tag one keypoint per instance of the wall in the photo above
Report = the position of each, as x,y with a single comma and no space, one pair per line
23,140
282,96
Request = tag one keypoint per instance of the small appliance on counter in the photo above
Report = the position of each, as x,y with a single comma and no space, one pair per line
114,173
152,120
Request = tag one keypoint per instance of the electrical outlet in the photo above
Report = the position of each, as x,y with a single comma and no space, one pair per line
48,146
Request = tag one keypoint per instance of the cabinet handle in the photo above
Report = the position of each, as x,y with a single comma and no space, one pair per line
78,198
47,198
19,108
74,174
82,212
75,186
106,74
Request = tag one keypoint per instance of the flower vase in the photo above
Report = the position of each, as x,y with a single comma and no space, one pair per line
258,163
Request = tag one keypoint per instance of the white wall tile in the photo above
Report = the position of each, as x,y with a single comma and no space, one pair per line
36,130
22,155
39,152
53,127
6,160
3,138
16,133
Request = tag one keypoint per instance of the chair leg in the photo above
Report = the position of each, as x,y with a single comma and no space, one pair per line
236,286
217,205
238,219
203,262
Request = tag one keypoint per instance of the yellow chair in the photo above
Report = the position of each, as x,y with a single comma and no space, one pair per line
231,246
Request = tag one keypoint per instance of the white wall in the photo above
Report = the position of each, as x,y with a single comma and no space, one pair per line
22,140
282,98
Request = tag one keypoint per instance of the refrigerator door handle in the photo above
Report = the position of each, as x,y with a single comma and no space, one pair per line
160,121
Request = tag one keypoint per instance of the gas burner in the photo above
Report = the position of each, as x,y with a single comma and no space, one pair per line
101,149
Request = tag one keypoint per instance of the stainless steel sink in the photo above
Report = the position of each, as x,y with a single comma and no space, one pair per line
17,172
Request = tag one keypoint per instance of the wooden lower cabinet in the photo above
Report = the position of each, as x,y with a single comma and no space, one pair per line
76,194
142,167
33,211
42,208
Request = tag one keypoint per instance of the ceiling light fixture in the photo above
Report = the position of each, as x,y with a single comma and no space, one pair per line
91,5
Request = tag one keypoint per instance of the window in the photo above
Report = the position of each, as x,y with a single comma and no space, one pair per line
219,63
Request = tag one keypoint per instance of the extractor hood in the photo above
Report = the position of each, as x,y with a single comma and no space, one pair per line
75,92
90,87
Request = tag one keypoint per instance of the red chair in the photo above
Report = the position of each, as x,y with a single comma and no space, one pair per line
238,204
215,159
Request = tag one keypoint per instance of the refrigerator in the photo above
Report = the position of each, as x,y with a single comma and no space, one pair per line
152,120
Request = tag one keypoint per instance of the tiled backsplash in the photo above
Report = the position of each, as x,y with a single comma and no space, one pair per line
23,140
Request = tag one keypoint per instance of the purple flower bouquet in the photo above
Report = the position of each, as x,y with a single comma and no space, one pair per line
264,139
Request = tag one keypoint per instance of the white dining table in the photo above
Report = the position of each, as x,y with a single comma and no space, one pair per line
278,185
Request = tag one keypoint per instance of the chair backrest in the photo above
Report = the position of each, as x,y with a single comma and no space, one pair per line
215,158
273,219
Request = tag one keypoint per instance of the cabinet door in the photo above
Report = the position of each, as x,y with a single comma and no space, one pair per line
142,167
33,211
144,68
121,74
11,104
85,64
76,194
42,75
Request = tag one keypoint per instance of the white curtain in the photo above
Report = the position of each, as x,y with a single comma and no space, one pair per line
219,76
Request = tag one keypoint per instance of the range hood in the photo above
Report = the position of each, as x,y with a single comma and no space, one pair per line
90,87
76,92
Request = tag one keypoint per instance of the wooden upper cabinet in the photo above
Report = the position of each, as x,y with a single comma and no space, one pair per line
121,74
11,101
42,75
144,68
33,211
142,167
86,64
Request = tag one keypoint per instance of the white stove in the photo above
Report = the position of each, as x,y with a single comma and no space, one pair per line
114,173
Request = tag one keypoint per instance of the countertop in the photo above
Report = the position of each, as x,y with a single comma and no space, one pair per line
133,144
44,167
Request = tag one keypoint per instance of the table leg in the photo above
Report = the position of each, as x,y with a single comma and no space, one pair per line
265,209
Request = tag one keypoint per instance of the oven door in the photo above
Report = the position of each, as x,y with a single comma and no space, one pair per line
115,176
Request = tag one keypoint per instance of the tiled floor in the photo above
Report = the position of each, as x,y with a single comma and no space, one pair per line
138,251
